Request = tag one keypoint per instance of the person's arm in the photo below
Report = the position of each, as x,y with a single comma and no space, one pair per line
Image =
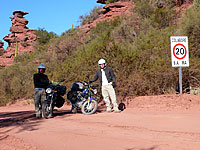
35,80
112,75
95,78
113,78
46,81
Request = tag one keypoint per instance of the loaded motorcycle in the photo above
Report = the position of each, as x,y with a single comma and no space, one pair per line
81,97
54,94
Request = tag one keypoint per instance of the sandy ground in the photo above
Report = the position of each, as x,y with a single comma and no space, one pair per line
167,122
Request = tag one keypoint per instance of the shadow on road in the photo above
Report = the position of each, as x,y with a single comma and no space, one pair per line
23,120
150,148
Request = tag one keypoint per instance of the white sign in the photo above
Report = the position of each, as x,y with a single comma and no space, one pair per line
179,51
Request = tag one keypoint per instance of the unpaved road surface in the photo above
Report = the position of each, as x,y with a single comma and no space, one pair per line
167,122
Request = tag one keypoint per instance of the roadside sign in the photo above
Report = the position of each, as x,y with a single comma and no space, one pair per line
179,51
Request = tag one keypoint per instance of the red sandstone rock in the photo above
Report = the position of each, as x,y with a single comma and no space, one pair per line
19,13
109,12
1,45
101,1
20,37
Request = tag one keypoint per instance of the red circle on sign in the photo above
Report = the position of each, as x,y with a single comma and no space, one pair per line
175,54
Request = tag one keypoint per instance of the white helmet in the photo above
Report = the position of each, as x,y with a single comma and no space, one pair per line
102,61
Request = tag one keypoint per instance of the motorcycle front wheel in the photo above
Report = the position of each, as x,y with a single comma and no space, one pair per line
89,107
47,110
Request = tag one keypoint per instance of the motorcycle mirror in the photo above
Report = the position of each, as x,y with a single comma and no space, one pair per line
62,80
88,76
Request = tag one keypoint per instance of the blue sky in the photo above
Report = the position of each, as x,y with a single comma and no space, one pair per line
53,15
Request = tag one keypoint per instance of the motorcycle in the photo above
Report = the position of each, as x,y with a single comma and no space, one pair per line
54,94
81,97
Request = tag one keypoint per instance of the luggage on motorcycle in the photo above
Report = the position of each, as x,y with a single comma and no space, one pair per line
77,86
61,90
72,96
59,101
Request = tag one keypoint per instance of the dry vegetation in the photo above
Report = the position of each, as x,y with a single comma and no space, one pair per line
136,47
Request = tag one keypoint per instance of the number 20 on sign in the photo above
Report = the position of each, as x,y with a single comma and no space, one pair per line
179,51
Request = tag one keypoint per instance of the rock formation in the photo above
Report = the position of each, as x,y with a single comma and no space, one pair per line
20,38
101,1
104,1
110,11
1,46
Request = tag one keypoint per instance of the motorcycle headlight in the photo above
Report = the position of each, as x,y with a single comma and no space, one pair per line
94,91
48,90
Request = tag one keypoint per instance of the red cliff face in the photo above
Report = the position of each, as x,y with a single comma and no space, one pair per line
1,45
101,1
21,37
109,12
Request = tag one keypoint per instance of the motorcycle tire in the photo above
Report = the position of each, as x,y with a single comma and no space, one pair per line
47,110
88,110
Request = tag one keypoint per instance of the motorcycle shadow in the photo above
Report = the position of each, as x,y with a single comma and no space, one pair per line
58,113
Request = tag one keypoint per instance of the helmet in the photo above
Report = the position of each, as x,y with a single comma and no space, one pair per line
41,66
101,61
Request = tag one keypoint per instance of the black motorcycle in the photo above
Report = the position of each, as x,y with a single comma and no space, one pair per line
81,96
54,98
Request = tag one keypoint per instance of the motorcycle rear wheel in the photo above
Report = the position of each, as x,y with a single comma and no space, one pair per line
47,110
89,109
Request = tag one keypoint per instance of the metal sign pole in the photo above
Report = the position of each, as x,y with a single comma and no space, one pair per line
180,81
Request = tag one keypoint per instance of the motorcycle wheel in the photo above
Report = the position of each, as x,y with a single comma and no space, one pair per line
47,110
89,108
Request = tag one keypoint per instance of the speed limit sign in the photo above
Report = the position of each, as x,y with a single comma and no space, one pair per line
179,51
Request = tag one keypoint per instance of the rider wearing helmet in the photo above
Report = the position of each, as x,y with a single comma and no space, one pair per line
41,82
108,83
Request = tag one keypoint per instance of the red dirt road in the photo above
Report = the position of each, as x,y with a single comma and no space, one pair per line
167,122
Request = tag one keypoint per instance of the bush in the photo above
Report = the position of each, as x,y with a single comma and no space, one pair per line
196,4
144,8
94,14
137,48
44,36
111,1
190,26
16,82
157,16
1,52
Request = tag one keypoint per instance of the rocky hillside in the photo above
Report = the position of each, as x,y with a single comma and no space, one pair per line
109,12
135,45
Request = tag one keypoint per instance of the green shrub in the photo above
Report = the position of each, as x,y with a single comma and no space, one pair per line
1,52
144,8
94,14
190,26
151,14
44,36
111,1
196,4
136,47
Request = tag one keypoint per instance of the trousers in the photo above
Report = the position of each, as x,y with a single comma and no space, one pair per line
108,93
39,97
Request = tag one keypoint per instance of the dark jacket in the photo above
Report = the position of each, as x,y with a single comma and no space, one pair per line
109,75
40,80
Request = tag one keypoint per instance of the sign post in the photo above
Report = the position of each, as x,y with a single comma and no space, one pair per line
180,81
179,55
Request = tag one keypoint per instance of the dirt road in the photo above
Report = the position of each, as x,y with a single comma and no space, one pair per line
168,122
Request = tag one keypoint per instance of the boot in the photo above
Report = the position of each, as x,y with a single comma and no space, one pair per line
108,109
116,110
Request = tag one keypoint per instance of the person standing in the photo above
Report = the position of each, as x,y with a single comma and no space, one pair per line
41,82
108,83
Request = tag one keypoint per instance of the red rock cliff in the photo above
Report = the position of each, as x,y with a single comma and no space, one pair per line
110,11
1,45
